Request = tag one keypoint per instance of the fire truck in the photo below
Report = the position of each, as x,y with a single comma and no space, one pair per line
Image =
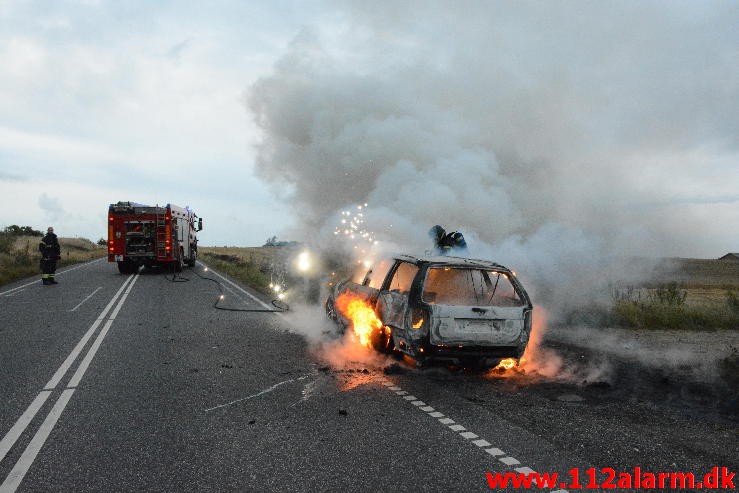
152,235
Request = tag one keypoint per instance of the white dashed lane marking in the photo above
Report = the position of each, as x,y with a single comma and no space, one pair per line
481,443
509,461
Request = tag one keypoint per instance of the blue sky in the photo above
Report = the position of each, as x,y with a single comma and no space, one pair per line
617,121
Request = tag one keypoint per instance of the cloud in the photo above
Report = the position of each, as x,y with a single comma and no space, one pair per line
176,51
51,206
12,177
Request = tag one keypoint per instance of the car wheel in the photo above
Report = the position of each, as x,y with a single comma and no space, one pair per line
382,341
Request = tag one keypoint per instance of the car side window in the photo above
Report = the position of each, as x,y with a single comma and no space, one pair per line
376,275
403,277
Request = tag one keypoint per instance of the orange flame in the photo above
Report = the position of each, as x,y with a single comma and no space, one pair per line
362,316
537,361
506,364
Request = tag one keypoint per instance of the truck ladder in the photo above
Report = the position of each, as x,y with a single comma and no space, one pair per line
161,236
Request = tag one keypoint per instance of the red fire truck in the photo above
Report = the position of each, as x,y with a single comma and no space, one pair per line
152,235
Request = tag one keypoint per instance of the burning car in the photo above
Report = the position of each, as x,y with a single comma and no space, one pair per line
471,313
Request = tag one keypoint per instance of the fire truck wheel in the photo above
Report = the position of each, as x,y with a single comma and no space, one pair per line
193,257
178,262
125,267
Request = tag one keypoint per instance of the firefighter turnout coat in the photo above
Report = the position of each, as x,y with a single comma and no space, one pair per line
50,253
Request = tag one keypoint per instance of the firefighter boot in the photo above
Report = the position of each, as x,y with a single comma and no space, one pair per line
45,281
52,281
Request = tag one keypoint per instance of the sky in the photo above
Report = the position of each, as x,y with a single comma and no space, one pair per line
565,130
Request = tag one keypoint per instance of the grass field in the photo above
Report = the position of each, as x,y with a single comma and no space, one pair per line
683,293
19,256
256,266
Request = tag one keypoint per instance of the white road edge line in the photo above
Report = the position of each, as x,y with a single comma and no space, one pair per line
15,477
90,296
265,305
21,467
19,427
60,272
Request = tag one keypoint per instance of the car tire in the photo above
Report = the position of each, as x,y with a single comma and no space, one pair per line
382,342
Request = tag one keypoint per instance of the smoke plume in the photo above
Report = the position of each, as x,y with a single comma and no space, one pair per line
559,138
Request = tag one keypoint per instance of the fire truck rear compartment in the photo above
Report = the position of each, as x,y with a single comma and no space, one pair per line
140,238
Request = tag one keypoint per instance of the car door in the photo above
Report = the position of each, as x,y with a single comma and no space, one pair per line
392,303
368,290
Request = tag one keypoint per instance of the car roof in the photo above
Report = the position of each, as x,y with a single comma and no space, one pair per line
444,261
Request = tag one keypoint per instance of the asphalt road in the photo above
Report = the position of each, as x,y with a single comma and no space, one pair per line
136,383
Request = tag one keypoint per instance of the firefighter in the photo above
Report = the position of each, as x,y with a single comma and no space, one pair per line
50,253
446,242
437,234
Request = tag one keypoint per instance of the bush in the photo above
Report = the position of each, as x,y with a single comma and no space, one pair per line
668,295
15,230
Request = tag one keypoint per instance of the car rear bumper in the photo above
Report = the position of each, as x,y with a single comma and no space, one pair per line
457,354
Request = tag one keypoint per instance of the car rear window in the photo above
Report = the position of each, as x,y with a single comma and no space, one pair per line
469,287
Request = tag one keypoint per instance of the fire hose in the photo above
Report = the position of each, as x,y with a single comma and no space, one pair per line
280,305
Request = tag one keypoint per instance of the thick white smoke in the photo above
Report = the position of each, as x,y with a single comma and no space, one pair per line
557,137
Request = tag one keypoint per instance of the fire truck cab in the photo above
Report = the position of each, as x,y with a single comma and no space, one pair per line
152,235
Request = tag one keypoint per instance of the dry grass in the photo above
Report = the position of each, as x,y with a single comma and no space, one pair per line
19,257
256,266
683,293
693,273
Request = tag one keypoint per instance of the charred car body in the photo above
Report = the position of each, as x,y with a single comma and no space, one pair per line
467,312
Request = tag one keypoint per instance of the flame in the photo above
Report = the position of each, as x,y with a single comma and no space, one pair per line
418,324
363,318
537,362
506,364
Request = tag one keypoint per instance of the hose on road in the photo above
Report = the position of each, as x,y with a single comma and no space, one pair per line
280,305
